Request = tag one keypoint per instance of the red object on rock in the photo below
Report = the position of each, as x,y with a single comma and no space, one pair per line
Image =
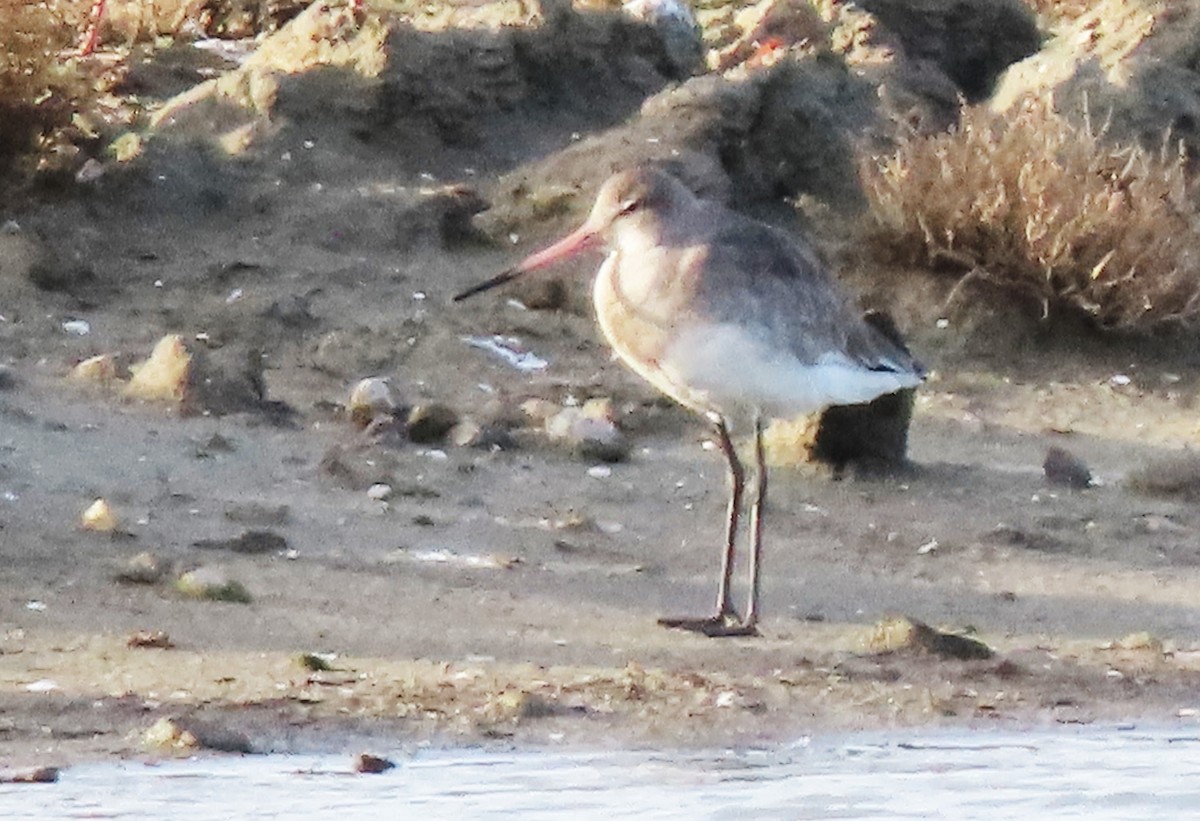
91,36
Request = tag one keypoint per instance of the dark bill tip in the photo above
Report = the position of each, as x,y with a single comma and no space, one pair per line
487,285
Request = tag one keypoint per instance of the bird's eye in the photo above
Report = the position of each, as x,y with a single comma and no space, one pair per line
629,206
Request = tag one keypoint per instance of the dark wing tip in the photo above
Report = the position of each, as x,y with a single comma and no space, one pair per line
884,326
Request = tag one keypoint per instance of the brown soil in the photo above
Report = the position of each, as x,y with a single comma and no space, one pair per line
328,253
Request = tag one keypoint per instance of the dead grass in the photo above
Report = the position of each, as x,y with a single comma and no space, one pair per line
40,86
56,103
1048,210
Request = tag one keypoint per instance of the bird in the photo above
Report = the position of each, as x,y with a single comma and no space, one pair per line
735,320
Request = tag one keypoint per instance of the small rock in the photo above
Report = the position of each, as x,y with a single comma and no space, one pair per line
314,662
175,734
212,584
538,411
902,633
430,423
97,370
144,568
77,327
380,492
518,705
466,434
149,638
599,439
37,775
99,517
502,413
591,436
251,542
166,733
165,374
372,764
1066,469
370,398
599,408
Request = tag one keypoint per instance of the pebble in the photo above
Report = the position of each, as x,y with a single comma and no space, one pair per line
165,374
172,734
212,584
372,764
166,732
99,518
379,491
370,398
1066,469
144,568
902,633
77,327
100,369
157,639
539,410
37,775
589,431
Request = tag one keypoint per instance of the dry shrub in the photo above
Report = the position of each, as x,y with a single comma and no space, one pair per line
1048,209
40,82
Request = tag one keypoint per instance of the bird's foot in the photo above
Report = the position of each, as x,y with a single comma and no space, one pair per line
719,626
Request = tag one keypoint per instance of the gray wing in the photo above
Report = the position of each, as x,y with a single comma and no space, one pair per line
765,280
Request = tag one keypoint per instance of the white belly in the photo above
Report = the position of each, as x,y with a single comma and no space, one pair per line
738,372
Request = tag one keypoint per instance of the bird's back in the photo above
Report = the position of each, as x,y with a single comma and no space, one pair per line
777,287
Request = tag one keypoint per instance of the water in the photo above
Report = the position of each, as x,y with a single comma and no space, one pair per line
1061,773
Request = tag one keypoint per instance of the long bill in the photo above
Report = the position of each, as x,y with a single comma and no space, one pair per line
579,240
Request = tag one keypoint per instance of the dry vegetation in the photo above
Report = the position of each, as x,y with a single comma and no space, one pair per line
56,101
1047,209
42,86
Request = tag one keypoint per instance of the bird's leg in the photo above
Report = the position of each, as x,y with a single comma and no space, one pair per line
756,524
725,622
737,483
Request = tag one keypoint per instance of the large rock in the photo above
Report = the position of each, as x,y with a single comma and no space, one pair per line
1132,67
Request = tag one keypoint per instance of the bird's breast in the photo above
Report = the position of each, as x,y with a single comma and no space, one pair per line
642,314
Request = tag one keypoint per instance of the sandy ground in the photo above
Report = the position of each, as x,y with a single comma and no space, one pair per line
511,595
